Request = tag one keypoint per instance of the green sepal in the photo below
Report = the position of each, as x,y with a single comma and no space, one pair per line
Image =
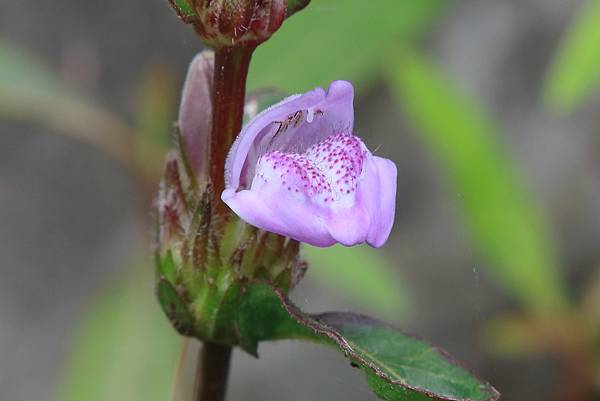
166,267
184,9
174,307
223,325
398,367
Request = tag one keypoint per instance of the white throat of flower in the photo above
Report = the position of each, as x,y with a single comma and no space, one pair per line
327,173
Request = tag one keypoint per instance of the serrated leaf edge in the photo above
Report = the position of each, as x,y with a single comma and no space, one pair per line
315,323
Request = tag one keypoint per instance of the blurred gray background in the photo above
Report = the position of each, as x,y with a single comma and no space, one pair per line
70,216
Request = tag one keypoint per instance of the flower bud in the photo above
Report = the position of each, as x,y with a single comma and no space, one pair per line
228,23
195,113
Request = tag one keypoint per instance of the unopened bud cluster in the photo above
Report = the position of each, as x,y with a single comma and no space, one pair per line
227,23
204,258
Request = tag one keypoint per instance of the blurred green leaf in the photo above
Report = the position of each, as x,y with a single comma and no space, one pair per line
22,74
29,92
156,101
362,274
590,300
575,72
125,349
503,219
520,336
338,39
514,336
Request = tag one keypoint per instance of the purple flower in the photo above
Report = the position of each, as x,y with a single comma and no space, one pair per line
297,170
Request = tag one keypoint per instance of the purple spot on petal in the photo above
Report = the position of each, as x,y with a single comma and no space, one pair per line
319,171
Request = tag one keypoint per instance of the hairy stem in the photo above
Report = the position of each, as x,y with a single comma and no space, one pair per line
229,91
212,372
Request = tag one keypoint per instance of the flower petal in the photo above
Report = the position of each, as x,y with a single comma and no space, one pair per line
383,220
349,226
377,192
277,210
294,124
371,217
195,112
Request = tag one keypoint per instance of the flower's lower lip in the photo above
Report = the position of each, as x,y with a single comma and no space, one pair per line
326,172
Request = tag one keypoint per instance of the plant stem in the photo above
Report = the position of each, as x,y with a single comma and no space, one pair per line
212,371
228,96
229,92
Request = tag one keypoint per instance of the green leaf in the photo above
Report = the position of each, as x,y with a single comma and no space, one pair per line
125,349
503,219
401,367
575,72
362,274
338,39
398,367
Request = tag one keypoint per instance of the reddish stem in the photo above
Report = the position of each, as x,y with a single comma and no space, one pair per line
212,372
229,92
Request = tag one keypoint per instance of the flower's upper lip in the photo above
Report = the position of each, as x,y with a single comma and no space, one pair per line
337,115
